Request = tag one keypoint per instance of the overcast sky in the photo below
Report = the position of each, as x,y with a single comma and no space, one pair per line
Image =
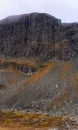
67,10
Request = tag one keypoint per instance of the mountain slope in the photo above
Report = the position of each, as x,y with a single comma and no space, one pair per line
53,90
39,65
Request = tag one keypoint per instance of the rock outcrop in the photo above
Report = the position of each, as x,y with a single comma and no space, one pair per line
37,35
27,35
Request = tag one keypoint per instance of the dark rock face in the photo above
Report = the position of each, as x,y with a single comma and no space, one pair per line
37,35
72,34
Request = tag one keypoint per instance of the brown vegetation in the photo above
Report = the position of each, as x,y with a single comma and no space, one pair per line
27,120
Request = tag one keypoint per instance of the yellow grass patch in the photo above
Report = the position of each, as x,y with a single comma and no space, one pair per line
33,120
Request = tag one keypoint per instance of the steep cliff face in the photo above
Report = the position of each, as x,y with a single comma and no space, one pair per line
27,35
38,35
72,34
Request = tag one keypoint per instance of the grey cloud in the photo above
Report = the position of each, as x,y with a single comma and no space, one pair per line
63,9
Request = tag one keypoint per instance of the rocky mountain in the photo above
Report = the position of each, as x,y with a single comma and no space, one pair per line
39,64
37,35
